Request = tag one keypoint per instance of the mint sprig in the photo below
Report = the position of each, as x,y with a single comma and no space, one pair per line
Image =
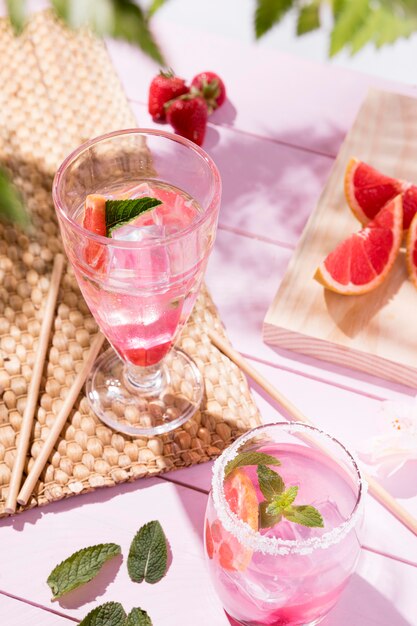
121,212
148,554
108,614
80,568
138,617
250,458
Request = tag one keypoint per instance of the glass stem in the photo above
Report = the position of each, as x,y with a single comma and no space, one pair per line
144,380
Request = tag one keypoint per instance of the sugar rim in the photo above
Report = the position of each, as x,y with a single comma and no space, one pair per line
273,545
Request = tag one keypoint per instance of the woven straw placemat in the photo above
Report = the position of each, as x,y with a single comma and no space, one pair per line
59,89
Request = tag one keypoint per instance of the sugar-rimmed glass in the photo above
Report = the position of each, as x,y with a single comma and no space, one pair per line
144,292
288,574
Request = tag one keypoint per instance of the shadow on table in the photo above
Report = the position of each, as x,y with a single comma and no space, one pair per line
101,494
360,605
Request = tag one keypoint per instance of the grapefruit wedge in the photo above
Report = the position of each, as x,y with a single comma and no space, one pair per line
222,545
367,190
362,261
412,251
95,222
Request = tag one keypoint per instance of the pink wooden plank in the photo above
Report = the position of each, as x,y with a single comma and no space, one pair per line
32,544
269,190
272,95
16,613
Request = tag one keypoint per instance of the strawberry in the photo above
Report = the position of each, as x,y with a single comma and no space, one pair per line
166,86
211,87
188,117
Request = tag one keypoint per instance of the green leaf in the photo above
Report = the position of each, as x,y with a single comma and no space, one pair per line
249,458
109,614
17,14
120,212
281,502
348,22
266,520
338,6
80,568
11,203
305,515
133,26
268,13
155,6
148,554
308,18
97,14
138,617
270,482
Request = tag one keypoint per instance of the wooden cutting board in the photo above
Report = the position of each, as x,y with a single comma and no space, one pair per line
376,332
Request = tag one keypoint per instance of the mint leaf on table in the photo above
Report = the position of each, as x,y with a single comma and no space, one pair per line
270,482
250,458
305,515
148,554
266,520
80,568
120,212
109,614
138,617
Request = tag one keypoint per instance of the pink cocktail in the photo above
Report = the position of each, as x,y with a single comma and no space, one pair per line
268,568
141,280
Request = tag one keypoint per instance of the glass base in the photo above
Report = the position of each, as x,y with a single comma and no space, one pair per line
235,622
172,393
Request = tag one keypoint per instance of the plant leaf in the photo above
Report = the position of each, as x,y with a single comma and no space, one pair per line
138,617
97,14
11,203
284,500
155,6
17,14
266,520
80,568
132,25
305,515
270,482
249,458
308,18
268,13
148,554
109,614
120,212
347,24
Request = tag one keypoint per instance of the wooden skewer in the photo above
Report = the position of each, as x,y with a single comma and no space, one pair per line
375,489
35,381
60,420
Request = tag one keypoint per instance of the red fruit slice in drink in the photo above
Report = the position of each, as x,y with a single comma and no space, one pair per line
95,222
362,261
367,190
412,251
222,545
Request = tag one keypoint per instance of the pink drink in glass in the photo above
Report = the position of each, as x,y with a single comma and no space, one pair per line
288,574
142,323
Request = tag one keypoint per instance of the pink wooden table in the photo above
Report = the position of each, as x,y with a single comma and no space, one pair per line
274,142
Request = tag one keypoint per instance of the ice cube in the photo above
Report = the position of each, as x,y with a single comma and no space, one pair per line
134,232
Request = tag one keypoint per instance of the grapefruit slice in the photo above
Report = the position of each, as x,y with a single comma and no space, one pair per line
362,261
412,251
367,190
243,501
95,222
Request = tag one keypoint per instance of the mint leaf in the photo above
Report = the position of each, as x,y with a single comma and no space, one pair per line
120,212
17,14
270,482
281,502
148,554
80,568
266,520
109,614
305,515
250,458
138,617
